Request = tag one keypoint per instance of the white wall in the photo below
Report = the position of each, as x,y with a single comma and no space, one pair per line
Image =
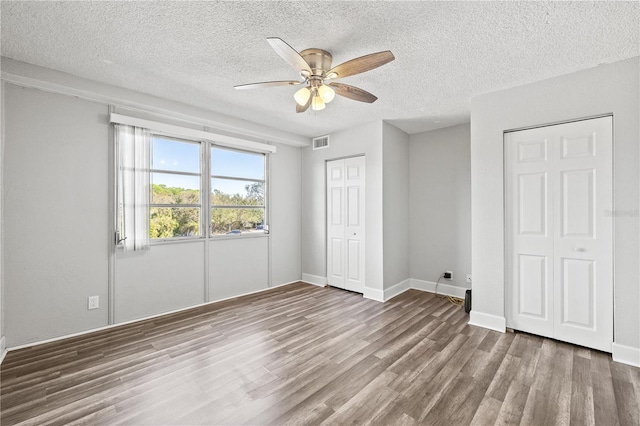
285,222
611,88
367,140
164,278
440,204
238,266
396,228
57,230
55,214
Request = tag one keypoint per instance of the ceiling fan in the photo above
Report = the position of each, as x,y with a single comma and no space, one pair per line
314,66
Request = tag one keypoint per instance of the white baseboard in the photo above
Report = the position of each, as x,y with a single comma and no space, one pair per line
443,288
107,327
492,322
626,354
3,349
373,294
397,289
314,279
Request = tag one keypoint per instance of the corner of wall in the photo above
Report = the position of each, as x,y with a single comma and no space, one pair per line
492,322
3,349
314,279
3,345
373,294
626,354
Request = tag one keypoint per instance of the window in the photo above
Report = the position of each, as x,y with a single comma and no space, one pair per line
237,191
234,190
175,208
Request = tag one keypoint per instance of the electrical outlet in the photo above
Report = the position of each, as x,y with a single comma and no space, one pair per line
94,302
448,275
468,278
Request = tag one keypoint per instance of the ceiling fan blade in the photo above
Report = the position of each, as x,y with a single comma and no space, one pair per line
267,84
352,92
289,54
361,64
304,107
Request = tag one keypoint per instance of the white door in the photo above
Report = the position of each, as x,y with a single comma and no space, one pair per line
559,232
345,223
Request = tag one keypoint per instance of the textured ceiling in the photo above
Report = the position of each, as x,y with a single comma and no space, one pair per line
446,52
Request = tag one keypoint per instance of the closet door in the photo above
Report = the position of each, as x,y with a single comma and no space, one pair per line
559,232
345,223
335,223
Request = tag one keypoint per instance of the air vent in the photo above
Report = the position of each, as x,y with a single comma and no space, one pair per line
321,142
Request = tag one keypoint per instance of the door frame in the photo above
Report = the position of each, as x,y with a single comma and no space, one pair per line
507,245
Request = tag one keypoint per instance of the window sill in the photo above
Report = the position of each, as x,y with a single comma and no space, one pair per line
161,242
239,236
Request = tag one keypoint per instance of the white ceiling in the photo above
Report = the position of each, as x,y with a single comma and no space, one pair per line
446,52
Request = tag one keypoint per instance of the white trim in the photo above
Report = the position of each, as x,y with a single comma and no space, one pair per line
314,279
28,75
107,327
3,349
281,285
397,289
626,354
373,294
443,288
187,133
492,322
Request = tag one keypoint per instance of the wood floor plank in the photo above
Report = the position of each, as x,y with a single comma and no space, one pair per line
304,355
582,411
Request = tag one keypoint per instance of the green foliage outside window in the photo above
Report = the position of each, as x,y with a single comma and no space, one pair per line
168,222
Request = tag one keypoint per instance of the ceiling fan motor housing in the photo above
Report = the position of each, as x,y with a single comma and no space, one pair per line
319,60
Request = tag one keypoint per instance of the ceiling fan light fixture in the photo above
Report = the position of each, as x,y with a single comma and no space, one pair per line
317,104
326,93
302,96
314,66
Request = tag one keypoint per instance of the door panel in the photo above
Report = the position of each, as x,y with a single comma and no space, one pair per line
578,203
336,206
353,206
336,260
533,284
558,235
577,288
579,146
532,151
354,260
532,194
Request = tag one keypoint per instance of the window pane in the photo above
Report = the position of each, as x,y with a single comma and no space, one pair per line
174,189
170,222
169,154
236,221
229,192
225,162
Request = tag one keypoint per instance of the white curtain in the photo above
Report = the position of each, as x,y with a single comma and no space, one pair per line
132,159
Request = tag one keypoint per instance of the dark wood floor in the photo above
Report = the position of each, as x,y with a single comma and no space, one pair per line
301,354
